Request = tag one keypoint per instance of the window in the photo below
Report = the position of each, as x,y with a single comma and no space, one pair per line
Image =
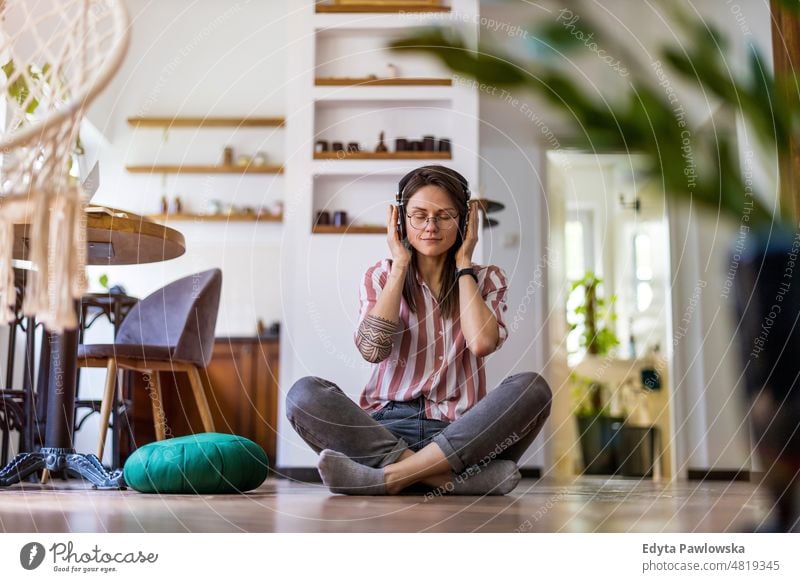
579,246
579,243
643,270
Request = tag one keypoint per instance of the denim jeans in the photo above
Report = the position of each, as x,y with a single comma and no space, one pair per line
500,426
406,420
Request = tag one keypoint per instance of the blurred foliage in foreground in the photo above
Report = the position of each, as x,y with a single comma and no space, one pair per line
699,165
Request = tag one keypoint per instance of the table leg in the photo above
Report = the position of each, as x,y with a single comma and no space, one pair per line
58,454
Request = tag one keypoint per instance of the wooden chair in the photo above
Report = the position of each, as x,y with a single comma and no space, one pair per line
169,330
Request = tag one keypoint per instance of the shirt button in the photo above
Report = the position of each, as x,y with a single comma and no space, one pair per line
441,332
441,357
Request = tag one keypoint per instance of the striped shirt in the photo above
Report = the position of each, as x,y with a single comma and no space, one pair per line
430,358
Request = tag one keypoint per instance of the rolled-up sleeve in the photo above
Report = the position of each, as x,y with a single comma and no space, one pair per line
494,289
372,283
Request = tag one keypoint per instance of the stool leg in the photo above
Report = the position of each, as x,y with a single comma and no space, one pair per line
106,405
159,418
200,399
27,384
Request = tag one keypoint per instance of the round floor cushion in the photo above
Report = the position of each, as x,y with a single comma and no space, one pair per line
200,463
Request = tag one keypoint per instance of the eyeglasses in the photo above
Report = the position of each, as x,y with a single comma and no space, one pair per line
444,221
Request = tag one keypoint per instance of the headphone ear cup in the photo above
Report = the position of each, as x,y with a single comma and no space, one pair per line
401,224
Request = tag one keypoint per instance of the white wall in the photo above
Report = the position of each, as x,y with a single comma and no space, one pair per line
194,59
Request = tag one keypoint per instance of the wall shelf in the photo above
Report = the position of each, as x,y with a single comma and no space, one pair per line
205,169
234,217
342,155
172,122
350,229
371,81
368,7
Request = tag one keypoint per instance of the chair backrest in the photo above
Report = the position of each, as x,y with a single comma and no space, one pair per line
181,316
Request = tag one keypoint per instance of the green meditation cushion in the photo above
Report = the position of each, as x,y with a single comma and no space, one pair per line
200,463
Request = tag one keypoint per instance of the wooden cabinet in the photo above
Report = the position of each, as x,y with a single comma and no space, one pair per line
241,386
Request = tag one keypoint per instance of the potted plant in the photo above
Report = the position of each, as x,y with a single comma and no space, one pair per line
644,120
593,316
597,428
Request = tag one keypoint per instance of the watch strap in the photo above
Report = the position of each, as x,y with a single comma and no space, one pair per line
466,271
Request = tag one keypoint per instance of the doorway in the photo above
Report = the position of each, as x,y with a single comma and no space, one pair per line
610,310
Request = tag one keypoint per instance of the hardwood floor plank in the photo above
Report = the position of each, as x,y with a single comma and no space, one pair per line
588,504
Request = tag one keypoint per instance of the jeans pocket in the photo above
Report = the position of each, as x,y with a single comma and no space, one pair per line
379,414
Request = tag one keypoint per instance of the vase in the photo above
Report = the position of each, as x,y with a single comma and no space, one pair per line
598,439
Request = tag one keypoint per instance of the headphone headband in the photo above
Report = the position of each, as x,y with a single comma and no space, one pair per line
401,186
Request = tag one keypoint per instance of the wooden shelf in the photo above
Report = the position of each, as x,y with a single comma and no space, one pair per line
342,155
205,169
367,7
375,82
171,122
236,217
350,229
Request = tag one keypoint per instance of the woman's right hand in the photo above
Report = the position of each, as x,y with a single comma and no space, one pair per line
400,254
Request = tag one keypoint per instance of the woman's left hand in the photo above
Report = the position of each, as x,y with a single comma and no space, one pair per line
464,253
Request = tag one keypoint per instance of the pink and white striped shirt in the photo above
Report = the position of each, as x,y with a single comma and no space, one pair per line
430,358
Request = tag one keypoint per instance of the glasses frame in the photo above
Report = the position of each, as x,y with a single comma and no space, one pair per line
445,220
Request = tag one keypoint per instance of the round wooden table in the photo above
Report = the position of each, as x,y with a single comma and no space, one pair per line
114,237
117,237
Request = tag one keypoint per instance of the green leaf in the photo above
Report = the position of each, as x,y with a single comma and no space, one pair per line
18,89
104,281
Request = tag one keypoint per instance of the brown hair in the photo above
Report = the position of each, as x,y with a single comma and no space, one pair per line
456,187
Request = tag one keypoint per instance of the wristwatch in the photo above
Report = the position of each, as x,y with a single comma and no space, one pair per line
466,271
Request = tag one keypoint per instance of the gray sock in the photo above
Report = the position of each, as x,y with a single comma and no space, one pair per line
341,474
498,477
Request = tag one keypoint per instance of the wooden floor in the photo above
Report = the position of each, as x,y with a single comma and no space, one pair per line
587,504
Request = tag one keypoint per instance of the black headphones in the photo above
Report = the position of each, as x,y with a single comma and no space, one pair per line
401,209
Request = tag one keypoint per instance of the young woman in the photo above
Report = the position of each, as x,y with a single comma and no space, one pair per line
428,317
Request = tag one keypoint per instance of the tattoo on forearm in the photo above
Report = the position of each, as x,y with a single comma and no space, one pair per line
375,337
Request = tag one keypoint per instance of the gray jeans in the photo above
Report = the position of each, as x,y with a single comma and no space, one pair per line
501,426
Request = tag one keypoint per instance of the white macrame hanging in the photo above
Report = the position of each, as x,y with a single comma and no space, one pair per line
57,56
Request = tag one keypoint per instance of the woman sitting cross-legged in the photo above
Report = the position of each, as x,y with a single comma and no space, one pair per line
428,317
